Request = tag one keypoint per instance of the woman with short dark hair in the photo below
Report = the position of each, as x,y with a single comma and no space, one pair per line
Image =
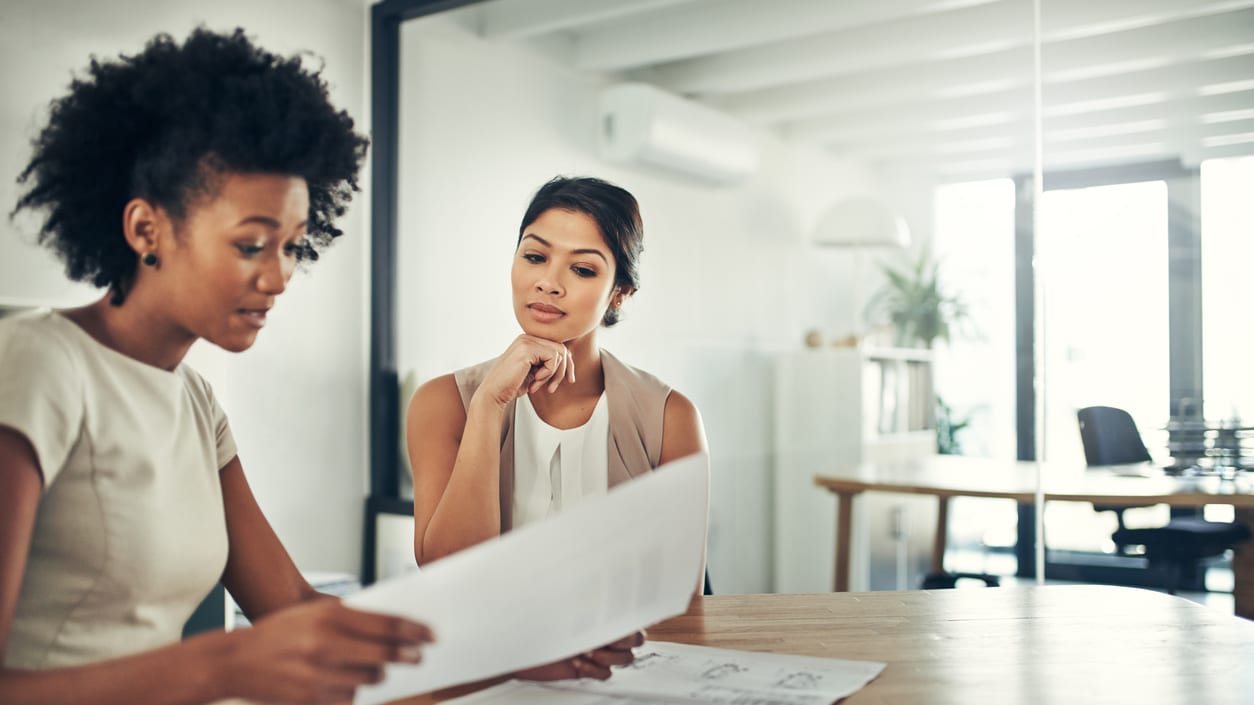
555,418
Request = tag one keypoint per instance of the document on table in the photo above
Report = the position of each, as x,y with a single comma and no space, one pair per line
593,574
699,675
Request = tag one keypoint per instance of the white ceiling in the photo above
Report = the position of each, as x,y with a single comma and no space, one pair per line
941,85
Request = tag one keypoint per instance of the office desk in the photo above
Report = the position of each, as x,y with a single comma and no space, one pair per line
946,476
1027,646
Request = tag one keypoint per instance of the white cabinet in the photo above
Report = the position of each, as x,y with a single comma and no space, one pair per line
835,408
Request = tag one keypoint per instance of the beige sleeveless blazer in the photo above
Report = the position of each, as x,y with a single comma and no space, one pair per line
637,402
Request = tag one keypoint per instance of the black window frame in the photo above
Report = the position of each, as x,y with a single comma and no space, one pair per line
1184,296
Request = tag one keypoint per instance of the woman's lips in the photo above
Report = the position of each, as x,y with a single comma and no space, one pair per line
255,317
545,313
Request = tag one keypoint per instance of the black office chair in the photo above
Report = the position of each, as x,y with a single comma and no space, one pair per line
1110,437
944,580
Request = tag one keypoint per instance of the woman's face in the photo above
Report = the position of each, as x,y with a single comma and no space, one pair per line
563,276
233,255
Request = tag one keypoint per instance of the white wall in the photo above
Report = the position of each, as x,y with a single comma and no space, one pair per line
297,400
728,276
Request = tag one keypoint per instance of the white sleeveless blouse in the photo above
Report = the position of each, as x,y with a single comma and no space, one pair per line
554,467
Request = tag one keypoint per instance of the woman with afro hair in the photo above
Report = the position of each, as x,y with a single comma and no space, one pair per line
188,181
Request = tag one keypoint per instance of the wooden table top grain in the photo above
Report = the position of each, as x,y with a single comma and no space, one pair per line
1021,646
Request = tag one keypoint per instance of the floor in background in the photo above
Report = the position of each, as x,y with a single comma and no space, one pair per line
1218,578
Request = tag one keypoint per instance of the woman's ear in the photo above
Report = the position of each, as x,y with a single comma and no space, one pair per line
620,295
141,225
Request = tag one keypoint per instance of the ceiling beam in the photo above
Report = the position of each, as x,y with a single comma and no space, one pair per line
910,128
1179,126
1093,96
512,19
923,84
708,28
1020,162
984,29
1189,147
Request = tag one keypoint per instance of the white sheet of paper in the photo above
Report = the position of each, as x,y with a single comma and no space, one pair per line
527,693
697,675
591,575
701,674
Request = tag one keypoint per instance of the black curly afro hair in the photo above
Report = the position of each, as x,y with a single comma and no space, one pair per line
163,125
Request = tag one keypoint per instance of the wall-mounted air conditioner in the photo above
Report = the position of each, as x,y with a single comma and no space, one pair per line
641,124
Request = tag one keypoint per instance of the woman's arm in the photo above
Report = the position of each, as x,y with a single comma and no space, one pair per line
260,574
314,653
455,456
326,648
683,434
455,453
20,485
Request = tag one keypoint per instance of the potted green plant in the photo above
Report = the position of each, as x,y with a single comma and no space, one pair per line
948,426
915,303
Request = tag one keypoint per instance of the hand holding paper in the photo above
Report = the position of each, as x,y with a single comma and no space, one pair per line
585,578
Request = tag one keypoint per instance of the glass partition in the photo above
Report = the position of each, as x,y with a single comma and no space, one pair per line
1147,111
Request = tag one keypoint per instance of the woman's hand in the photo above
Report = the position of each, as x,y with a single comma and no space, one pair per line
318,652
526,366
593,664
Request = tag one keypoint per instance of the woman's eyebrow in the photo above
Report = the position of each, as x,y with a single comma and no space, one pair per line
584,251
268,222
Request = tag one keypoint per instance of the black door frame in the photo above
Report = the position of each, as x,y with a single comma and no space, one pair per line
385,423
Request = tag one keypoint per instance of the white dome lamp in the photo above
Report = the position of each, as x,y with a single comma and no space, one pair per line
861,221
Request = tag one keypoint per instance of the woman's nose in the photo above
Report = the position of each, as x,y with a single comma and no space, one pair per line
275,275
548,284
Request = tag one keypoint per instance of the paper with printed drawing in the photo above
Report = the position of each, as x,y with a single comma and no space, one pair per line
698,675
701,674
597,572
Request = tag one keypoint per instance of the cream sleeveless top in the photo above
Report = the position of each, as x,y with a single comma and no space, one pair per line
636,405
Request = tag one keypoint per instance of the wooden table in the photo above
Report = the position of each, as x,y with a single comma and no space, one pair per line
1087,644
946,476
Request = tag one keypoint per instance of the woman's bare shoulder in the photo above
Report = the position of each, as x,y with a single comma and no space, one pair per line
683,433
437,402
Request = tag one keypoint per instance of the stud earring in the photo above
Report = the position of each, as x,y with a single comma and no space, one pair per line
149,259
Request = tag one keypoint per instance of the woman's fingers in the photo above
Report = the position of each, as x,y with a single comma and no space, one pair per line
383,627
587,666
320,651
560,670
544,363
539,375
562,369
551,364
630,641
609,657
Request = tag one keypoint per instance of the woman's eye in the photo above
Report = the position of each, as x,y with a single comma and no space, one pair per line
533,258
585,272
249,250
